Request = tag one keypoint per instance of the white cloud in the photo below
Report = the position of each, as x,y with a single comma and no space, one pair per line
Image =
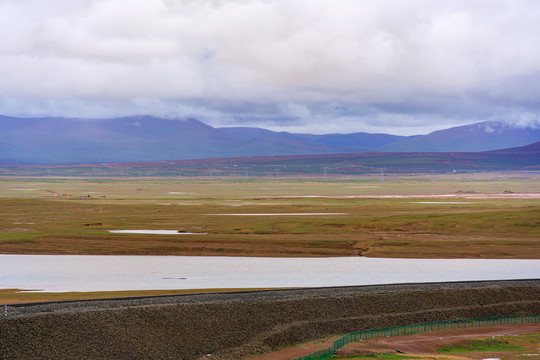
294,56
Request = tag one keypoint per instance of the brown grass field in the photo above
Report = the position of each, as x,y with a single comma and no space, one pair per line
407,216
404,217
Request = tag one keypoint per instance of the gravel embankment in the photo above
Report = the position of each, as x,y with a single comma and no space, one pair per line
237,325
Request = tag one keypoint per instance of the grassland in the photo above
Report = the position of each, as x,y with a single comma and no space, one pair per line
502,347
382,357
482,345
405,216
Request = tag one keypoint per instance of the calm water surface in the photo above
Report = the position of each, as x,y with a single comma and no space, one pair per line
100,273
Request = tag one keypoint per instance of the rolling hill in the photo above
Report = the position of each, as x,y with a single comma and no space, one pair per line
482,136
521,158
147,138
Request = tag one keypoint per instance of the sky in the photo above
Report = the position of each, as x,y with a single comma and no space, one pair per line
313,66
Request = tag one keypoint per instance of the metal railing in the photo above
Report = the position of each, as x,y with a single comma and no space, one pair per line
418,328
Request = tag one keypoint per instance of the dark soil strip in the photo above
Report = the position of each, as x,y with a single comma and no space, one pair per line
241,324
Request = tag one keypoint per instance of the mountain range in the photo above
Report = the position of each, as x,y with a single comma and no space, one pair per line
54,140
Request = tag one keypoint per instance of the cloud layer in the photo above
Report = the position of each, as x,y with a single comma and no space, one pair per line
324,66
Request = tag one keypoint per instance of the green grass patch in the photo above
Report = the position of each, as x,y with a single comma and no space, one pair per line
495,344
380,356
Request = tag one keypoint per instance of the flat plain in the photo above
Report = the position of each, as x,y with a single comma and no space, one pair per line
492,216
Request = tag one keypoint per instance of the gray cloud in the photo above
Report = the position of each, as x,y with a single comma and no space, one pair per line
321,66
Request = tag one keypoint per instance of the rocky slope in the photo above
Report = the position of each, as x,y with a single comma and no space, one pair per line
237,325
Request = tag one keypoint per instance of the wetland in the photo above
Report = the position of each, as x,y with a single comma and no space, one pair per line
403,217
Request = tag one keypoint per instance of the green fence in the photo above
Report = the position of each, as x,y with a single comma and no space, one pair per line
419,328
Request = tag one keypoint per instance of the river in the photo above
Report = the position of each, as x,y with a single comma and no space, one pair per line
105,273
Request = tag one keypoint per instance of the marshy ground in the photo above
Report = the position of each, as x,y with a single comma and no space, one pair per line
406,217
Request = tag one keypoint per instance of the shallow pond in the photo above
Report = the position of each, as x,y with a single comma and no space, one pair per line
154,232
100,273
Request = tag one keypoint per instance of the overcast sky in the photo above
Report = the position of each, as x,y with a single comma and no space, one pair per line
394,66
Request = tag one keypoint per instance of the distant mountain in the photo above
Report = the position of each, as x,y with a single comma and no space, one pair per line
134,138
60,140
147,138
482,136
354,142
